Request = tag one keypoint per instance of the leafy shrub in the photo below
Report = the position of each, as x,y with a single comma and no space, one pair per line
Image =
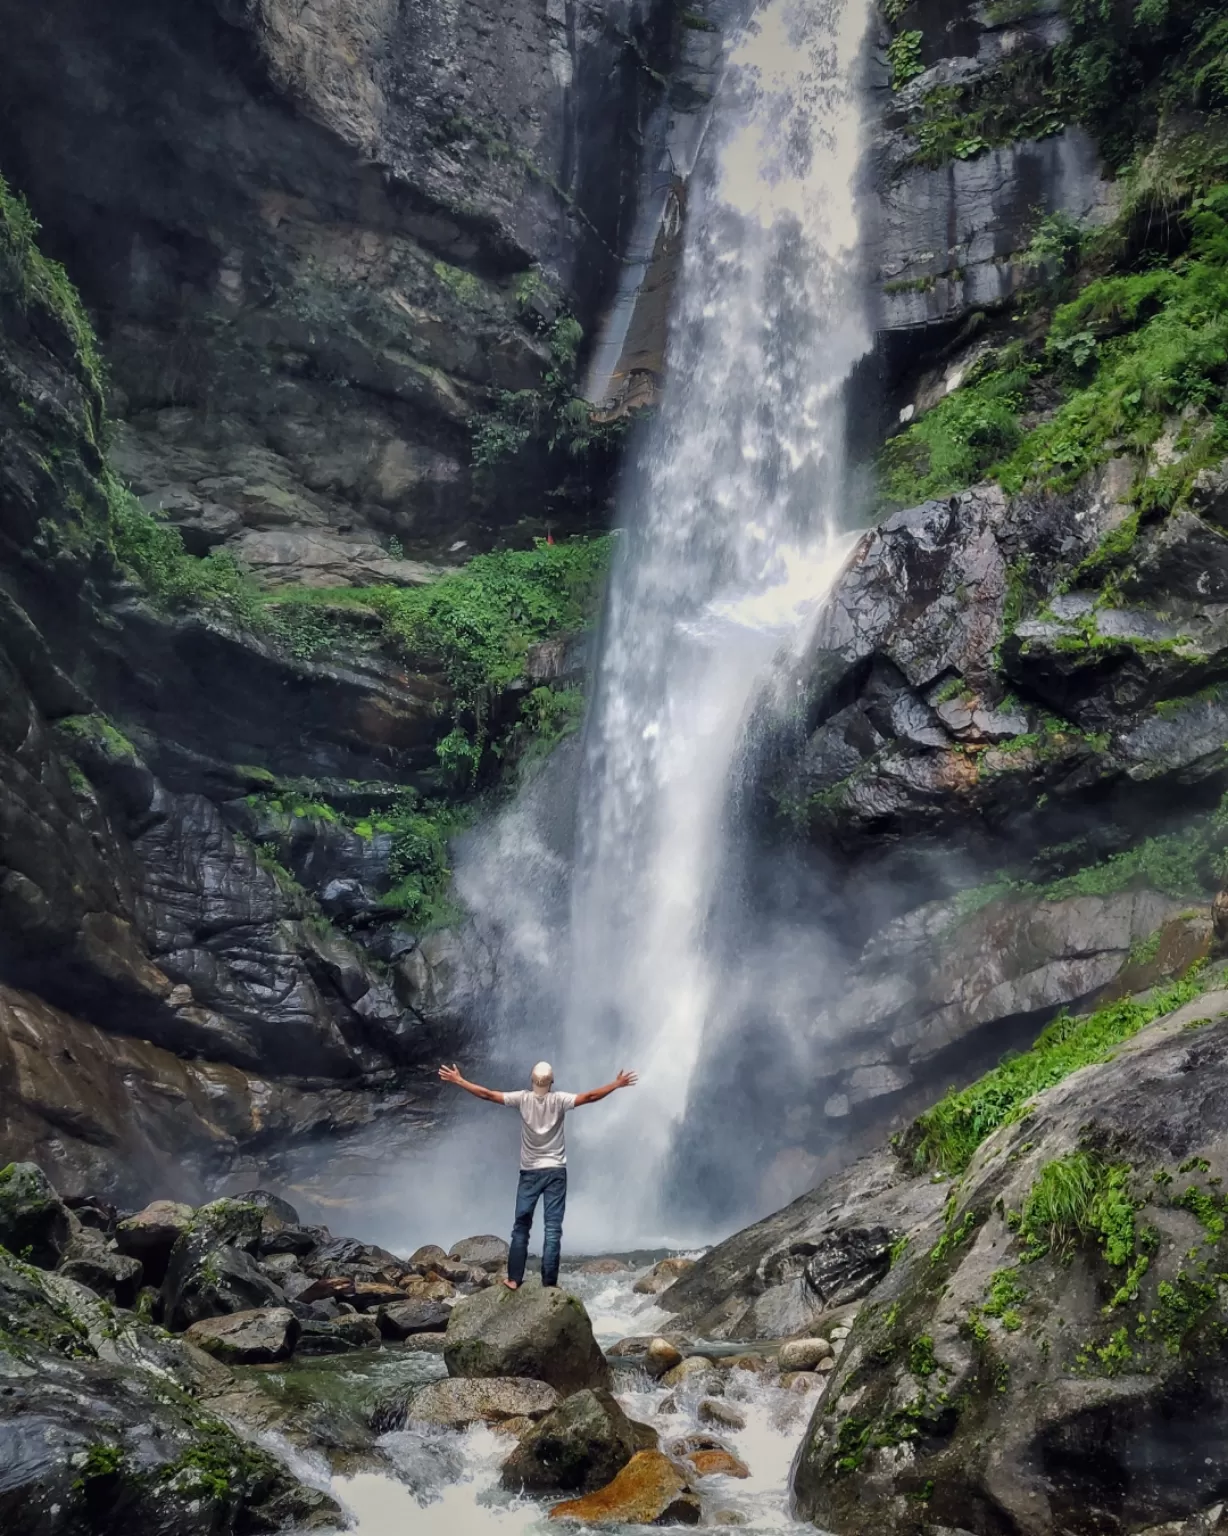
904,57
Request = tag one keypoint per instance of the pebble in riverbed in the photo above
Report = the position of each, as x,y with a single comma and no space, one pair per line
803,1354
712,1411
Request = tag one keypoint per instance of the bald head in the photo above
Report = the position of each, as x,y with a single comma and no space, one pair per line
543,1077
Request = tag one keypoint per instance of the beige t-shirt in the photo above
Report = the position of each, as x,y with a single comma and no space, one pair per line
541,1126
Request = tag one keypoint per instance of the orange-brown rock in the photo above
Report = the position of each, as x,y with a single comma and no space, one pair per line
717,1463
650,1490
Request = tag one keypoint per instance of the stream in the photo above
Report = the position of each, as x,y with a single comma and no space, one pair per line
443,1482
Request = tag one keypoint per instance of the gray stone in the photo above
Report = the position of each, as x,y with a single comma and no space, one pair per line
661,1276
802,1354
488,1253
91,1261
458,1403
399,1319
259,1337
534,1331
206,1278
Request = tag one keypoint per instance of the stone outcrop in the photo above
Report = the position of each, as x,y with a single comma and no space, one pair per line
1028,1363
534,1331
459,1403
96,1415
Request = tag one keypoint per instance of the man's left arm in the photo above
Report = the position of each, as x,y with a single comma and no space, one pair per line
623,1080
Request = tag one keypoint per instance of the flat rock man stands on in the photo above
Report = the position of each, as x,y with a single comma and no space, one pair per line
543,1159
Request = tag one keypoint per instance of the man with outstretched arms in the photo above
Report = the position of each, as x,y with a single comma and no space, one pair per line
543,1159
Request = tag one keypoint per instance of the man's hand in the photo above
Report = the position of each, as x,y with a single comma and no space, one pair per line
451,1074
595,1095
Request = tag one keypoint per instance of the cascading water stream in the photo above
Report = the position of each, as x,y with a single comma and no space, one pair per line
731,540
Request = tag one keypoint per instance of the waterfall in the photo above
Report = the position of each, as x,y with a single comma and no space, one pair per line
732,522
731,536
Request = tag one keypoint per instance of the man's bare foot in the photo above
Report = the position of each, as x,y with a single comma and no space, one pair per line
512,1285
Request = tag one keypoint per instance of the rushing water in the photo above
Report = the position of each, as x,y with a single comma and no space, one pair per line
444,1483
603,931
732,538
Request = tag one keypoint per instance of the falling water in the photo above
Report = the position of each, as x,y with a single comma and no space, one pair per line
731,539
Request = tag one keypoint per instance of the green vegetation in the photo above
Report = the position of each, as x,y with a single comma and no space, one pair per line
102,1460
32,280
1016,100
1003,1298
1134,352
1079,1198
554,416
921,1360
904,57
946,1136
96,730
954,1236
963,436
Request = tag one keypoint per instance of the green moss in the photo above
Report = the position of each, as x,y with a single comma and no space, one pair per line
954,1237
32,281
1015,100
694,22
921,1360
1004,1295
852,1437
1207,1209
470,290
947,1135
100,733
101,1461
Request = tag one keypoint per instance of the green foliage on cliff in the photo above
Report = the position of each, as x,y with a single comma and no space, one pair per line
904,57
1132,354
1079,1198
946,1136
33,280
960,440
420,863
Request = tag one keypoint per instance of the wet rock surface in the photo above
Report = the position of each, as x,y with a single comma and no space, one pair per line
650,1490
580,1445
534,1331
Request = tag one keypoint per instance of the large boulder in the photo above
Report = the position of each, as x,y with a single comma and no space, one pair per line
90,1261
275,1212
207,1278
579,1446
650,1490
399,1319
458,1404
151,1233
35,1224
487,1252
235,1222
534,1331
259,1337
1047,1354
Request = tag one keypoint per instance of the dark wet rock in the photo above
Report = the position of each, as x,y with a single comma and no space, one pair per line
298,1241
96,1416
34,1222
234,1222
650,1490
259,1337
1079,1381
209,1278
458,1403
536,1332
92,1262
398,1319
276,1214
94,1212
735,1286
848,1265
578,1446
488,1253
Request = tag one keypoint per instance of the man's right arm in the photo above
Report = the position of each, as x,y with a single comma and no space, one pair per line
452,1075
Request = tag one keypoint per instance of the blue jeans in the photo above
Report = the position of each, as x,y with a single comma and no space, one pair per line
550,1185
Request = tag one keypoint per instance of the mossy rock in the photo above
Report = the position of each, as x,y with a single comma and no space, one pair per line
35,1224
536,1332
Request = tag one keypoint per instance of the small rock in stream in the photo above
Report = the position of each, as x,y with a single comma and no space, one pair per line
259,1337
661,1276
711,1411
650,1490
803,1354
580,1445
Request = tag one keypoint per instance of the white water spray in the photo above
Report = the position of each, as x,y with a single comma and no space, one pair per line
732,540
